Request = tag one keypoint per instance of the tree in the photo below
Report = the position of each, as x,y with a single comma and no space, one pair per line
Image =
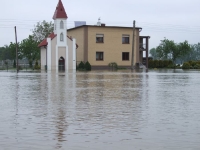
183,49
163,50
7,52
42,30
153,53
12,49
2,51
168,49
30,50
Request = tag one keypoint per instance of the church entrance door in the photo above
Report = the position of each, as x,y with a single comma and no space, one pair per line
61,64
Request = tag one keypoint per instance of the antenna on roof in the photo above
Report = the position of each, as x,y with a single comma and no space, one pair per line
99,22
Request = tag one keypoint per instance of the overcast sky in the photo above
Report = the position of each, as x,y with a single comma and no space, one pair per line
176,20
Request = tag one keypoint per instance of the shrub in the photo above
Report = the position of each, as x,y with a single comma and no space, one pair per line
193,63
190,62
20,68
172,66
197,66
186,65
87,66
113,65
151,64
6,62
160,62
156,64
30,63
165,63
84,67
81,65
37,67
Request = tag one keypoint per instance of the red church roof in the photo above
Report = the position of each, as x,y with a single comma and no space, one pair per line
52,36
60,11
44,42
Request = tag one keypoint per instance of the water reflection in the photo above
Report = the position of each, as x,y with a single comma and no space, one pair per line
158,109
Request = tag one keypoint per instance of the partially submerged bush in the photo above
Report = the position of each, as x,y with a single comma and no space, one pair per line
186,65
191,65
37,67
87,66
113,65
161,64
81,65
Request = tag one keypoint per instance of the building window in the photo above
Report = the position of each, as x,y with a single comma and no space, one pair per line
125,55
99,38
99,55
125,39
61,37
61,25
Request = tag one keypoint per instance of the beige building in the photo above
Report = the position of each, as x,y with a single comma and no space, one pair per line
101,45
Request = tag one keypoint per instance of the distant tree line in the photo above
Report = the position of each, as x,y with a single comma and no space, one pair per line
28,48
178,53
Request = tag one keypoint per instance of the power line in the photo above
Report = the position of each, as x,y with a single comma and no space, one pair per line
108,22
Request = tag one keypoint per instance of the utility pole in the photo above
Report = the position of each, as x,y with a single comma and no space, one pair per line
16,50
132,58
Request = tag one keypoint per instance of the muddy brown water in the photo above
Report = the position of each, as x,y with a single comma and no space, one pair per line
100,110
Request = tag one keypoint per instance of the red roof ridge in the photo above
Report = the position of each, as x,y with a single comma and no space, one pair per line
70,37
60,11
44,42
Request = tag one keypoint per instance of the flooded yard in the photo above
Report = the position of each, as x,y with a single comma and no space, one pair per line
100,110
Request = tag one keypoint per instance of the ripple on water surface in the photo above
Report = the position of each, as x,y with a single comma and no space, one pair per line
100,110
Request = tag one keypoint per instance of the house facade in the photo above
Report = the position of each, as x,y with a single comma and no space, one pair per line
101,45
58,51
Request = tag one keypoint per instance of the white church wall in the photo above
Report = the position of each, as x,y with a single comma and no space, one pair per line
43,58
62,52
49,54
53,53
74,53
70,54
58,31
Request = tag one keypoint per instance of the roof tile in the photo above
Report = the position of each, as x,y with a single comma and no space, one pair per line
44,42
60,11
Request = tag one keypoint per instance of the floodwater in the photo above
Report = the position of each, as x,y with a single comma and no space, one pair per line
100,110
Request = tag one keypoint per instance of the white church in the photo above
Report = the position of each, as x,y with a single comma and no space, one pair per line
58,51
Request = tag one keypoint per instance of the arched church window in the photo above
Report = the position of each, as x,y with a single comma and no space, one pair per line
61,24
61,37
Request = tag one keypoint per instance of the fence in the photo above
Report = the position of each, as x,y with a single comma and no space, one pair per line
9,64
